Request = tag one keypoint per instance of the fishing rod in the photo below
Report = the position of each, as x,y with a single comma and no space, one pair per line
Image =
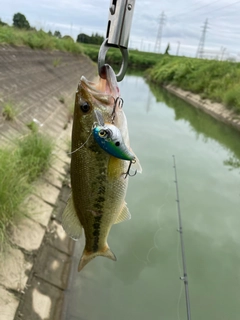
180,230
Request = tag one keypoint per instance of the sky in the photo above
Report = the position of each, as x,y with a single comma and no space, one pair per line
182,27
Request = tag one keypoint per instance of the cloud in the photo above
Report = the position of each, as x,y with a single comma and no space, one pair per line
183,20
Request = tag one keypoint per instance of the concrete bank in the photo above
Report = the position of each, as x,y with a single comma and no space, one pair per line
34,271
216,110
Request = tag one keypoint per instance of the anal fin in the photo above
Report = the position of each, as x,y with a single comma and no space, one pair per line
70,221
124,214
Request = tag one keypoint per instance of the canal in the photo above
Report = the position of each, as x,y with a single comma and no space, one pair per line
144,283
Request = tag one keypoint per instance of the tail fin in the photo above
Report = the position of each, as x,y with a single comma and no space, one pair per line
88,256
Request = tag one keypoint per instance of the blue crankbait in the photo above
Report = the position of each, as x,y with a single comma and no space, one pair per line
109,138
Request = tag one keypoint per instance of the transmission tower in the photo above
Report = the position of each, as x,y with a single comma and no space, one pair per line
159,34
200,50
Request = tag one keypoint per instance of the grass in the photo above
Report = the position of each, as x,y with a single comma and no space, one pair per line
18,169
137,59
218,81
62,99
56,62
32,126
8,111
37,40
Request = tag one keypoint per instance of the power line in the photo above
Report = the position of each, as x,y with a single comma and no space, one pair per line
196,9
192,12
229,5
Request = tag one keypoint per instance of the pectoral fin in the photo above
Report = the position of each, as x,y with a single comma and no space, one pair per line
70,221
124,214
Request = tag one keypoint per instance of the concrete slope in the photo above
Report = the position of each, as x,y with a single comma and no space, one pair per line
34,82
40,85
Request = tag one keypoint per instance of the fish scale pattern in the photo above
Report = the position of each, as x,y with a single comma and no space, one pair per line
34,81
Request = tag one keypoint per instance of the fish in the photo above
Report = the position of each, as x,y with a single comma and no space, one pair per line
98,179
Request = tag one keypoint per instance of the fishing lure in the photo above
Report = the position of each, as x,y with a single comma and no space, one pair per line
109,138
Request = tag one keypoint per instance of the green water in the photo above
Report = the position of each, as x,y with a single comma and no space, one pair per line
144,283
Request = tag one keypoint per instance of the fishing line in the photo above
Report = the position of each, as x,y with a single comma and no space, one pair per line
177,257
180,230
81,145
145,262
179,299
180,272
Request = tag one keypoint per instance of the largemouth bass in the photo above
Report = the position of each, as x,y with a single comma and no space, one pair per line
99,181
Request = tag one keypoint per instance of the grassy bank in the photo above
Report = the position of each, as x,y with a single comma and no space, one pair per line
37,40
218,81
137,59
19,167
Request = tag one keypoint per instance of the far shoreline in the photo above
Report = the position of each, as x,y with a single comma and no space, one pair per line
214,109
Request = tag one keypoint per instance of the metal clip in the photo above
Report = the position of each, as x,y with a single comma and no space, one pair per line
118,33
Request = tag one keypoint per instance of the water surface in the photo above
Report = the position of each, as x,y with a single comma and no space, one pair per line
144,282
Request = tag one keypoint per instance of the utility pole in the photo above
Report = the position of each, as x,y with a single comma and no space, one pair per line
200,50
159,34
223,49
178,47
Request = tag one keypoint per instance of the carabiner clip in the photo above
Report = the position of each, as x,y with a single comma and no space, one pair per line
118,32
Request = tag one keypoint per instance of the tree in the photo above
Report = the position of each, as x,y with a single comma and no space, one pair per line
57,34
94,38
2,23
20,21
167,49
84,38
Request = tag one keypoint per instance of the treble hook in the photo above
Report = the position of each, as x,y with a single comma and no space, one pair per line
120,100
128,170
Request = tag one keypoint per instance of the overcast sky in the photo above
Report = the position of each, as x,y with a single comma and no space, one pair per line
183,23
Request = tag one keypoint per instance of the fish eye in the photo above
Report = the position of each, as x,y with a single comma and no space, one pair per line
102,133
117,144
85,107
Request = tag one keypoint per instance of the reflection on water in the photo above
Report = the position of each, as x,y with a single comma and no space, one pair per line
144,282
203,125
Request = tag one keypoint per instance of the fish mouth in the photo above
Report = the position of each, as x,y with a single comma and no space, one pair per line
106,87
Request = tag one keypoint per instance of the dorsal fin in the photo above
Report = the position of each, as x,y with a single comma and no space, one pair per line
124,214
70,221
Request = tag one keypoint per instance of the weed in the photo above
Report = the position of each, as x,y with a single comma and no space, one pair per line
32,126
9,112
56,62
35,154
18,168
232,98
62,100
13,189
